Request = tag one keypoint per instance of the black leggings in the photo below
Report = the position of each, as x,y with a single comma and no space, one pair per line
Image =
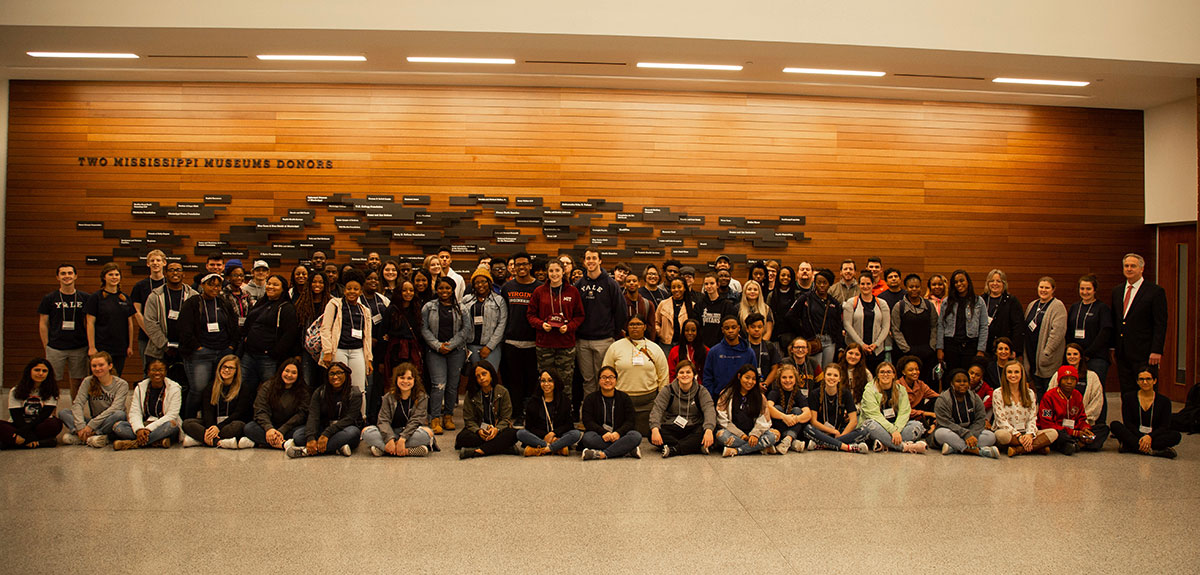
503,442
194,428
1159,438
44,432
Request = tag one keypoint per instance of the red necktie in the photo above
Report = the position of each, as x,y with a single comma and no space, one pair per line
1128,292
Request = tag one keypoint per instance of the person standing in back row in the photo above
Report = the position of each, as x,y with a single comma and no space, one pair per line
603,317
1139,309
61,325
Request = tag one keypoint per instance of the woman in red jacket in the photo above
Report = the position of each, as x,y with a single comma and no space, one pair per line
555,311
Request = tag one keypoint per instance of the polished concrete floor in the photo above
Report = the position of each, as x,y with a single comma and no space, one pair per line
213,511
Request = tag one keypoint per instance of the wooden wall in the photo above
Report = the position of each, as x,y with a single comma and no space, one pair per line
928,186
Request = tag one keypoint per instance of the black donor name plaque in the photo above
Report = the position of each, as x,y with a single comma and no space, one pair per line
529,201
658,214
628,217
415,200
218,199
698,220
89,225
684,252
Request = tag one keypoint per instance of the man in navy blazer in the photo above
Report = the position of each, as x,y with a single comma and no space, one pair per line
1139,309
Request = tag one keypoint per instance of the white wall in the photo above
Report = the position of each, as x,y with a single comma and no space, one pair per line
1155,31
1171,162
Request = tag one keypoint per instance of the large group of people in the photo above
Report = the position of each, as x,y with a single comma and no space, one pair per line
555,357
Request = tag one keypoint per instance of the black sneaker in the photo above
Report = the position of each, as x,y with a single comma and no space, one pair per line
1168,453
667,451
636,453
1070,448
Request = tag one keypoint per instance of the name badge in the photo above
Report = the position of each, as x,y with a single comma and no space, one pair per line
639,360
681,421
1079,333
68,325
889,413
485,426
1033,325
241,321
1069,423
172,345
478,320
607,427
173,314
213,327
1146,429
357,333
377,318
989,320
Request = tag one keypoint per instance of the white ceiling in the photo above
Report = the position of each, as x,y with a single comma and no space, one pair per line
193,54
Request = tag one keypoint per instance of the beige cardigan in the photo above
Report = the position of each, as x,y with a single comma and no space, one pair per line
1052,339
331,328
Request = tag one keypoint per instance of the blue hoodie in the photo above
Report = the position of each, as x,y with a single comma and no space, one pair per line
604,312
722,363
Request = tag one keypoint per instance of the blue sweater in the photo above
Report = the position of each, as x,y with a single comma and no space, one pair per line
604,312
722,363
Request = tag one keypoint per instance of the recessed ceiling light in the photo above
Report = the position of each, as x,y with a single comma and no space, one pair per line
669,66
82,55
312,58
1073,83
437,60
833,72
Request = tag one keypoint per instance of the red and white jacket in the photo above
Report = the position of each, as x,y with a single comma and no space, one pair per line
1054,409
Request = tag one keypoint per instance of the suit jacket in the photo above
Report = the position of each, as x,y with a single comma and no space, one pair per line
1143,330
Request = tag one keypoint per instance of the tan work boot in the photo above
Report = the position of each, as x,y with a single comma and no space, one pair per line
436,425
448,422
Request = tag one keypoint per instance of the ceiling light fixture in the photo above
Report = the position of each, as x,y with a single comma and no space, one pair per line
438,60
1071,83
833,72
311,58
721,67
83,55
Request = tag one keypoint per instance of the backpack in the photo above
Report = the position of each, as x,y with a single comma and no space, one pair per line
312,336
1188,418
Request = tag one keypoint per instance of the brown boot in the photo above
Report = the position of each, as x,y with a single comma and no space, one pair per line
531,451
1041,444
448,422
436,425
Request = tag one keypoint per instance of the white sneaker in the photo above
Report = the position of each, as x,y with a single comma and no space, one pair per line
230,443
377,452
189,441
345,450
288,444
799,445
946,449
862,448
97,441
784,445
636,453
71,439
245,443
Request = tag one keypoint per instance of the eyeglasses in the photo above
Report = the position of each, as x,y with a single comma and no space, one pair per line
1145,379
340,373
608,377
230,367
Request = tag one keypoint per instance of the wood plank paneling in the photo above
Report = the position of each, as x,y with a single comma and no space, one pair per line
928,186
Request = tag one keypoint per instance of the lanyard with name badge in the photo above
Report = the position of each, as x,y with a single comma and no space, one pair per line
68,324
355,332
1037,311
1080,330
1068,422
1147,429
172,312
682,419
214,325
376,314
609,414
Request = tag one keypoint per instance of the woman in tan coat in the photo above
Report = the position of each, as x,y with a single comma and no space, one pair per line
1046,329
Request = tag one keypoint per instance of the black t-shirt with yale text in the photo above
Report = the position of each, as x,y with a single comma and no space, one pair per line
67,320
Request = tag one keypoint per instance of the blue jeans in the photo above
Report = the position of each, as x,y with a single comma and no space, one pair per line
347,436
727,439
912,430
68,418
795,431
443,380
958,444
623,446
492,358
828,350
314,374
257,368
374,438
257,434
125,431
855,436
200,367
565,440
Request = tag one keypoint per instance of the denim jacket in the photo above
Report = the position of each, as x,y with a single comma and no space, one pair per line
976,324
430,323
495,319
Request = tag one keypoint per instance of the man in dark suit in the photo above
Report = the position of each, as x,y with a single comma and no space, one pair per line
1139,309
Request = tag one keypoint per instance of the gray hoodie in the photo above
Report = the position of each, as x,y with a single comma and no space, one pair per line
92,411
417,417
672,402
